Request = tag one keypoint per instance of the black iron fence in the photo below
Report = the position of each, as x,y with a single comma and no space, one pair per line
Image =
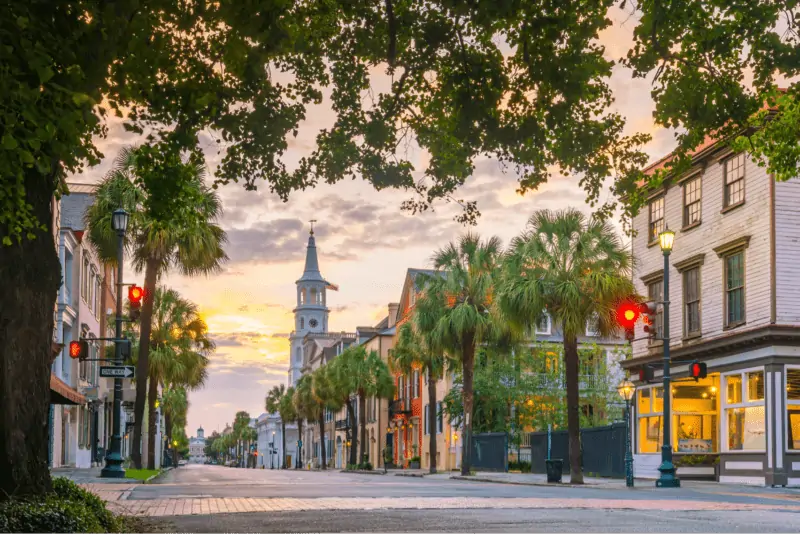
490,452
602,450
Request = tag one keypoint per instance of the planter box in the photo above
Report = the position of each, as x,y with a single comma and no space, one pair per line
413,465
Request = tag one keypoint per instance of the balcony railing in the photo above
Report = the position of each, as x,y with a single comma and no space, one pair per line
585,382
342,424
400,407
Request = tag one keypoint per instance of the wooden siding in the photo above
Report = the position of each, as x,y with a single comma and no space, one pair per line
787,257
716,229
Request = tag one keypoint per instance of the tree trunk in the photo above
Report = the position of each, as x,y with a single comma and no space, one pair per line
432,420
283,439
322,439
362,423
354,434
152,396
142,367
573,409
468,362
31,276
298,463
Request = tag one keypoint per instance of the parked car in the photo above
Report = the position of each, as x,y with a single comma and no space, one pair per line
181,462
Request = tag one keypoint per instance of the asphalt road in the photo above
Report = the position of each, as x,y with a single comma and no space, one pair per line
500,508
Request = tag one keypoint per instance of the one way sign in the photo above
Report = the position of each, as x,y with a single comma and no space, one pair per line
118,371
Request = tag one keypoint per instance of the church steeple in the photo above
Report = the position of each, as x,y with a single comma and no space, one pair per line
311,270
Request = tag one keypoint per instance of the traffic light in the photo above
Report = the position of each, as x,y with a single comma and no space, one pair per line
645,373
697,370
627,314
79,350
135,295
649,311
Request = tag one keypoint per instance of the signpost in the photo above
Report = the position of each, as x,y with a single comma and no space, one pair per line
118,371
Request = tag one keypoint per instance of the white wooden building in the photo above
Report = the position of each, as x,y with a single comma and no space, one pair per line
734,304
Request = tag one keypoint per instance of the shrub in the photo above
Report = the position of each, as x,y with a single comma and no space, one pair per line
365,466
525,467
414,459
51,515
70,491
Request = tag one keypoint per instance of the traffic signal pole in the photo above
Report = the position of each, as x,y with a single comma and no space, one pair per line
113,467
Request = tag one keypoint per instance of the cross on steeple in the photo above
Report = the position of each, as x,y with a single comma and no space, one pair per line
312,225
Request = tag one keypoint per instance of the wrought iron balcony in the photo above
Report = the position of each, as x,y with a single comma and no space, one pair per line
342,424
400,407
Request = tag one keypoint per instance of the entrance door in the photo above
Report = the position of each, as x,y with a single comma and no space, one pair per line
289,463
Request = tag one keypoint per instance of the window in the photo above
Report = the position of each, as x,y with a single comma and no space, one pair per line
691,302
655,293
589,361
743,405
650,402
656,219
302,323
695,415
439,418
691,202
734,289
85,279
734,180
425,419
97,286
415,384
793,407
593,326
543,324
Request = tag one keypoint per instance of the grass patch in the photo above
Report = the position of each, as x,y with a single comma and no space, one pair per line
141,474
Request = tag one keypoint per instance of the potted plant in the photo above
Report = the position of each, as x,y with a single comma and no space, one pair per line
413,463
388,461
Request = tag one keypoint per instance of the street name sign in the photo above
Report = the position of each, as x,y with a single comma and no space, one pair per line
118,371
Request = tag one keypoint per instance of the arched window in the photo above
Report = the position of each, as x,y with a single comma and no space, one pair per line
314,296
303,296
299,355
302,323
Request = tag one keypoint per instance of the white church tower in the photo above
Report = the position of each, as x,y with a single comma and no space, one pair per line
311,313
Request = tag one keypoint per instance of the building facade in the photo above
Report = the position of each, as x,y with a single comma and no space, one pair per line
197,447
734,305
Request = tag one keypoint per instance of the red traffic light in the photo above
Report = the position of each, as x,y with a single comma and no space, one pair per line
627,314
135,294
78,350
697,370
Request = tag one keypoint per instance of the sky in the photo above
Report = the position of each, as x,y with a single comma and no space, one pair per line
364,241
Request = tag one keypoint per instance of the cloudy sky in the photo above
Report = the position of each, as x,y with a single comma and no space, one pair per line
365,245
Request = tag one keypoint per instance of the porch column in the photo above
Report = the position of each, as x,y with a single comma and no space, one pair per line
777,473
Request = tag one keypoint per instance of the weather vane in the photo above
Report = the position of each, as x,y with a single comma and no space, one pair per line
312,225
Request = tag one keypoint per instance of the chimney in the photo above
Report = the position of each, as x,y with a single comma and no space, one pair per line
394,307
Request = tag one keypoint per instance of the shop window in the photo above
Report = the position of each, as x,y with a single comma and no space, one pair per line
694,406
651,426
793,407
745,426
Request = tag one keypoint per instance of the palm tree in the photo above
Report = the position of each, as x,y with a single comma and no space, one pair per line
370,377
322,389
175,406
288,413
576,270
455,310
273,405
241,426
343,385
183,235
179,351
309,401
412,351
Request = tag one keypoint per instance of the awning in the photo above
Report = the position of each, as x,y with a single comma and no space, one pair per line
61,393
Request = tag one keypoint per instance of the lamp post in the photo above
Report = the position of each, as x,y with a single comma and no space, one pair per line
113,467
626,389
667,468
272,451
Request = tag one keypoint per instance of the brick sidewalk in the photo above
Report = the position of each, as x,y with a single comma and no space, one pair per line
118,501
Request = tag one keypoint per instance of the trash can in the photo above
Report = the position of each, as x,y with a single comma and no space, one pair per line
554,468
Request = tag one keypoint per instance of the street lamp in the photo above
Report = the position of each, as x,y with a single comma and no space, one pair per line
667,468
626,390
113,467
272,452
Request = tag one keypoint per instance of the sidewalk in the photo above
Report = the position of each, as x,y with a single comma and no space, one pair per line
89,476
534,479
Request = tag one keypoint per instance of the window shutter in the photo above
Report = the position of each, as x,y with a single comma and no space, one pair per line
425,418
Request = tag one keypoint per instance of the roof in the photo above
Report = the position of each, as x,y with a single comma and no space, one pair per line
62,393
311,270
414,274
82,188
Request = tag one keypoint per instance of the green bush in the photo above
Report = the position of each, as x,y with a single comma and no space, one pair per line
68,490
414,459
365,466
50,515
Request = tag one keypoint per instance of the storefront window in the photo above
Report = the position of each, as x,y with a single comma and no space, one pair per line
793,407
744,411
651,426
694,405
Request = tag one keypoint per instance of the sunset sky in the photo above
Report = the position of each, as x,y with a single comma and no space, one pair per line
365,245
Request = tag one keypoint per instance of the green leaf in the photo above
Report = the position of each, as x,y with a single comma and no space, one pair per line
9,143
81,99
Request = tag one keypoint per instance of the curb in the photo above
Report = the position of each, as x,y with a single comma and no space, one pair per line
542,484
153,477
416,475
361,472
